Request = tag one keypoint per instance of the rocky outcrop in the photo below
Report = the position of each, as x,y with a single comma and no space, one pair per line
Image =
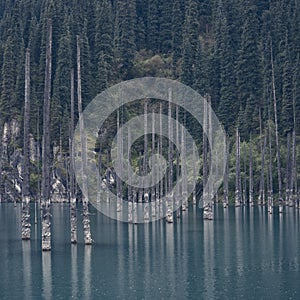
11,164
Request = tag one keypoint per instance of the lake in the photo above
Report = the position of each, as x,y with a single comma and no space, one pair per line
244,253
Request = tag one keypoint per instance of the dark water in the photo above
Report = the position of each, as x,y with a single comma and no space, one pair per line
243,254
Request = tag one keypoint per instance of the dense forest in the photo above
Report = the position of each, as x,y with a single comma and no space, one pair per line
244,53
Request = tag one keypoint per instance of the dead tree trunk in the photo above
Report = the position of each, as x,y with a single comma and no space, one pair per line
207,201
277,137
169,190
85,201
244,188
73,216
294,171
250,174
194,175
153,189
146,192
119,153
270,175
26,175
177,164
225,200
261,196
46,214
161,184
288,174
237,171
129,185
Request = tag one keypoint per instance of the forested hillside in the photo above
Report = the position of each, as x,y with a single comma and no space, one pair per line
245,54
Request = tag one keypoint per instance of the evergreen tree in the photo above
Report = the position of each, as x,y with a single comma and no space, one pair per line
61,88
165,28
190,42
8,101
152,28
177,24
229,106
287,92
103,45
249,71
125,47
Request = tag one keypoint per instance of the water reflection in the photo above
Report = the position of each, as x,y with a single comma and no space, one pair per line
26,255
208,258
87,272
74,276
47,275
170,259
241,250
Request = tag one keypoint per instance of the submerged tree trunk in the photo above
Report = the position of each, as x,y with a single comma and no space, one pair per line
85,201
250,174
161,184
146,192
270,175
26,175
289,171
178,197
277,137
207,132
153,188
294,171
237,171
73,215
225,200
244,196
261,196
119,153
46,214
129,185
169,190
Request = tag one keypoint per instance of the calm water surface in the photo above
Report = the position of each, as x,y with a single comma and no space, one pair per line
243,254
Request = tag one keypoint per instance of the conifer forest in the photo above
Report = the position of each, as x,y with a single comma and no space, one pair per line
56,56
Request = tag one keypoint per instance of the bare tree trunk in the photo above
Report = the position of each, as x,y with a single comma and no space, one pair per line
146,192
161,185
153,189
237,171
184,172
289,170
277,138
178,197
119,153
73,215
26,175
209,118
85,202
204,142
244,196
38,158
270,177
169,190
225,200
129,190
294,170
46,214
207,132
294,159
261,196
194,175
250,174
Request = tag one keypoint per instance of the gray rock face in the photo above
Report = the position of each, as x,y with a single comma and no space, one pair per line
12,162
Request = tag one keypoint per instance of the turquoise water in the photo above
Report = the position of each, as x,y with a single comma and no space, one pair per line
243,254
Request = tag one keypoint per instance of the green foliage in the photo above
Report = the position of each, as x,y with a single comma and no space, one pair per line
220,47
